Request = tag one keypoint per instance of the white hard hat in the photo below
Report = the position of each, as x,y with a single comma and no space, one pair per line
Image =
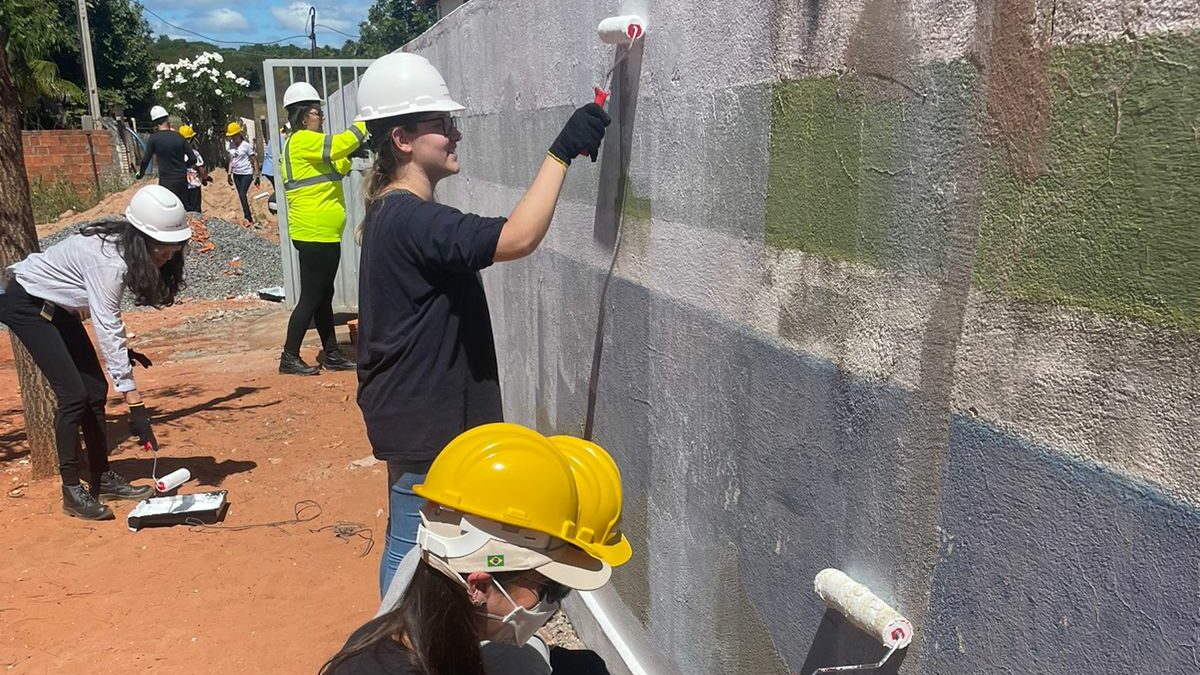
402,84
300,92
158,213
157,113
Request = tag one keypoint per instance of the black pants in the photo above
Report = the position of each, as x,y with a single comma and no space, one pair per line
192,203
318,267
178,186
243,181
63,352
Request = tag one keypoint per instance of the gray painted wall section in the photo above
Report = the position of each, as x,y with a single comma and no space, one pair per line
775,413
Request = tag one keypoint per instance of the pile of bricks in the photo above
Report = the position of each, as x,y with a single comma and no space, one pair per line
55,154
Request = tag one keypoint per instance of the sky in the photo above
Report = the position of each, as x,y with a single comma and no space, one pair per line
255,20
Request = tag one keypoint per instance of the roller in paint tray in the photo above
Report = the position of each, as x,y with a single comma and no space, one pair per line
201,508
865,610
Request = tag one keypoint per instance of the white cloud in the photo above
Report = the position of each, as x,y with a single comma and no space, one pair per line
295,17
224,19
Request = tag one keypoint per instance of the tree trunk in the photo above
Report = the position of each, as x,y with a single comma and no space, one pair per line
18,238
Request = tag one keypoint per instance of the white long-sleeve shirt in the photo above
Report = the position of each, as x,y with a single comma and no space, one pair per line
85,273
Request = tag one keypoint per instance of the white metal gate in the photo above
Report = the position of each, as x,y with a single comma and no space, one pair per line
337,81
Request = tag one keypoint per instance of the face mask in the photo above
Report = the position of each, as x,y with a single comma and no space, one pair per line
524,622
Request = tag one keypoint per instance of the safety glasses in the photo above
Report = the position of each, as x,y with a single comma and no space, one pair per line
446,125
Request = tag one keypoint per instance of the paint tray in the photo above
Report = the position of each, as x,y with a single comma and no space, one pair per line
202,507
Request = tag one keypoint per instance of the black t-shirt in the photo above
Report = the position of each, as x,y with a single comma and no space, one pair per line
172,153
386,657
426,355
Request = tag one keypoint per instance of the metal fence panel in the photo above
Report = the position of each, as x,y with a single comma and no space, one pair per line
337,81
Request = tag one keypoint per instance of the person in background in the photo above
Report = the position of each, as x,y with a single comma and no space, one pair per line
242,165
87,274
269,168
170,149
314,164
427,365
513,522
197,175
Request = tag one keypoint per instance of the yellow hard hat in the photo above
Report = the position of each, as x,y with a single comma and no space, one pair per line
564,487
186,131
233,129
598,482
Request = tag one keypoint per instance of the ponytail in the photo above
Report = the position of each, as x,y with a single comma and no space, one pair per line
388,162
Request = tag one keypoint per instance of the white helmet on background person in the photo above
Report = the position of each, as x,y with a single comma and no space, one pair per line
158,213
158,113
402,84
300,92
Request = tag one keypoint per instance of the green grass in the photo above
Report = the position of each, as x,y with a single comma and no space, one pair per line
51,198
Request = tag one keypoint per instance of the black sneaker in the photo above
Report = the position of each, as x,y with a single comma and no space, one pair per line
292,364
334,359
114,487
79,503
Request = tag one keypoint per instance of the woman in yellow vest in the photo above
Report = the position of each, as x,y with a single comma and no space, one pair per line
313,166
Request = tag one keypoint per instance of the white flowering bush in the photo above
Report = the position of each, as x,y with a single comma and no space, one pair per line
199,92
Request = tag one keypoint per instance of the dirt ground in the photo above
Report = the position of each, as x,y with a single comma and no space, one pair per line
218,199
97,597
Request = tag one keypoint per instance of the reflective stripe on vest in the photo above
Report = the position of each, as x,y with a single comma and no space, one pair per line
326,156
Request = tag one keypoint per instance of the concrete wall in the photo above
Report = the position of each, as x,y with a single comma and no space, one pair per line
911,289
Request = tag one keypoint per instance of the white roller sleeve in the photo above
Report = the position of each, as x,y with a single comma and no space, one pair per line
863,608
621,30
173,480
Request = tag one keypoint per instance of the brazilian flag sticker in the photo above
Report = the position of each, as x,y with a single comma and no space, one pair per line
495,561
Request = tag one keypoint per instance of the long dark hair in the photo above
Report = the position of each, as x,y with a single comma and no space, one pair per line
298,111
150,284
437,619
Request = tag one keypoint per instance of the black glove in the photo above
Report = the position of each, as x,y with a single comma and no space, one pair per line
229,179
138,357
582,134
257,182
362,151
139,425
138,175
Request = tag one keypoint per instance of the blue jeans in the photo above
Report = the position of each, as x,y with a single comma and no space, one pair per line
242,181
403,519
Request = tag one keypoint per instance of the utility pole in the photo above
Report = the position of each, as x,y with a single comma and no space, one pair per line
89,66
312,30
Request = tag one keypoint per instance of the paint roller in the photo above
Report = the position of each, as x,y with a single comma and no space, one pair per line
865,610
618,30
170,481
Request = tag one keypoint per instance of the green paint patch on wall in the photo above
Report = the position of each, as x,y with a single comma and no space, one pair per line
635,208
1110,221
827,177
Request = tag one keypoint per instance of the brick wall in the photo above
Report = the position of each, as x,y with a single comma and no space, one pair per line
63,153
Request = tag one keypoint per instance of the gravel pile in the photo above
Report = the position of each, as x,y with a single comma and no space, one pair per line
240,262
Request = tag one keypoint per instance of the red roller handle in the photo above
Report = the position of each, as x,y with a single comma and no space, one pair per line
601,100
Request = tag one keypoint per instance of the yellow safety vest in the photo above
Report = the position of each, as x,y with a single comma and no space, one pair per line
313,167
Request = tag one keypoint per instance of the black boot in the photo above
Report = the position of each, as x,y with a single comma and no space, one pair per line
292,364
332,358
113,487
80,503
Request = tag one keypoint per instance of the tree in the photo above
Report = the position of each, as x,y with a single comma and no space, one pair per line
201,93
121,47
33,31
18,237
390,25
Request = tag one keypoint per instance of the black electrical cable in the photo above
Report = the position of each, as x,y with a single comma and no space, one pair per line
352,37
214,40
